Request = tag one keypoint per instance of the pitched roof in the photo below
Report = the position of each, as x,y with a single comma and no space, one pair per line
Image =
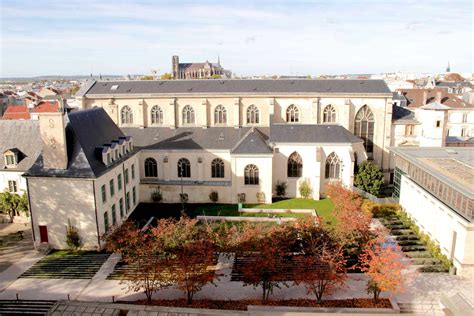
415,98
195,138
22,137
45,106
454,84
17,112
235,87
254,142
403,115
86,132
306,133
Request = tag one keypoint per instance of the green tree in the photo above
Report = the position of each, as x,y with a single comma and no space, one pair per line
166,76
148,78
305,189
13,203
216,76
369,178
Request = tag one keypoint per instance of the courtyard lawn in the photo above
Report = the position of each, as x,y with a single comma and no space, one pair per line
144,211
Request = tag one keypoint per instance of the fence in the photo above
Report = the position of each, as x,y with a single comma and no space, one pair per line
373,198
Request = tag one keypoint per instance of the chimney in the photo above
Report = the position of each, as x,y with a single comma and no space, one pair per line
438,96
425,97
53,138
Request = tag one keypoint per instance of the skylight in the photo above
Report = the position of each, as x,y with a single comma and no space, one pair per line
114,87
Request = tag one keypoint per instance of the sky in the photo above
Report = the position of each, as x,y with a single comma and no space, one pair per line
251,37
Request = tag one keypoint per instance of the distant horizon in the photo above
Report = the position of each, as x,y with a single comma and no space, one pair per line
251,38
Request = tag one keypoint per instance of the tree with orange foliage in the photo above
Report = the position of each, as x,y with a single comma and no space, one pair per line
321,268
383,265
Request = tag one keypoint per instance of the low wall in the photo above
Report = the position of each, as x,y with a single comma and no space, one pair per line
311,212
373,198
244,219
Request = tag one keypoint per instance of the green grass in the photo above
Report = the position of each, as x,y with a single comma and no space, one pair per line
65,253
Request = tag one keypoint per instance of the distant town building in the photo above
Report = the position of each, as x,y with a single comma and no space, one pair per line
206,70
435,187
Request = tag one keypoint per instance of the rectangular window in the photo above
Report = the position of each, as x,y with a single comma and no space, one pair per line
126,176
104,194
112,189
464,117
106,221
127,201
133,172
114,216
10,159
121,207
134,196
108,158
409,130
438,123
12,187
119,182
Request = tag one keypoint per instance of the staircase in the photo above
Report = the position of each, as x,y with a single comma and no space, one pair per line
425,309
22,307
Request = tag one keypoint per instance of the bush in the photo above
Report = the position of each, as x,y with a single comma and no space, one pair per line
241,197
369,178
73,239
380,210
305,189
156,195
214,196
280,188
183,197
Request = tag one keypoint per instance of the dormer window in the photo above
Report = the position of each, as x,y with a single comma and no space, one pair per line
11,159
109,160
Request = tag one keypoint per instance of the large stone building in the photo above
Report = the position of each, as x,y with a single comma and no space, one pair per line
204,70
435,187
359,107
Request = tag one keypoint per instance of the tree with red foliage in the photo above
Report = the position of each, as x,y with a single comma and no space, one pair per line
321,268
263,249
384,267
145,255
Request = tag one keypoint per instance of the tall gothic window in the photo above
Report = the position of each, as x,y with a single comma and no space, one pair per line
333,167
329,114
156,115
292,114
217,168
184,168
251,174
188,115
220,115
364,128
127,115
295,165
253,115
151,168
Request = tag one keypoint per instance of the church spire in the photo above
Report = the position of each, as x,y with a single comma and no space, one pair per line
448,69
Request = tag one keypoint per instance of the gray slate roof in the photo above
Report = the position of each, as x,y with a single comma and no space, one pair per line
24,136
254,142
86,132
195,138
302,133
233,87
403,115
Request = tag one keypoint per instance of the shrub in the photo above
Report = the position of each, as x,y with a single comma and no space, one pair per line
280,188
369,178
380,210
261,197
214,196
156,195
73,239
305,189
241,197
183,197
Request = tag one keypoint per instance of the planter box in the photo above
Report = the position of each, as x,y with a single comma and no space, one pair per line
244,219
311,212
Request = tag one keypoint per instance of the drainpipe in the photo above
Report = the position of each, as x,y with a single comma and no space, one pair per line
95,210
31,213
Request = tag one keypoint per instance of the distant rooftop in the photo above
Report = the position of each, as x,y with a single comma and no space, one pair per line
453,166
233,87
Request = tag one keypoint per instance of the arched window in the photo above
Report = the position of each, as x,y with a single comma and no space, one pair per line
292,114
184,168
364,128
217,168
220,115
188,115
127,115
156,115
333,167
151,168
329,114
295,165
253,115
251,174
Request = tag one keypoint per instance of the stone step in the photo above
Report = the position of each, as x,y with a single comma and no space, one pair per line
25,307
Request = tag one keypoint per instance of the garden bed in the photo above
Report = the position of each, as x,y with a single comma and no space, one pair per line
243,304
